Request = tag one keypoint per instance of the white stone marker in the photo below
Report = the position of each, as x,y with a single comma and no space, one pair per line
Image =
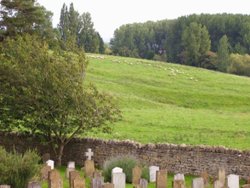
152,173
71,164
51,163
89,154
118,178
198,183
179,177
233,181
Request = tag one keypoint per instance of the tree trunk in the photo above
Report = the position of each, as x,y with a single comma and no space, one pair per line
60,154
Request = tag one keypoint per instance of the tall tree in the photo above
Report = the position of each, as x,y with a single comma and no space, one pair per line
196,43
19,17
44,94
223,54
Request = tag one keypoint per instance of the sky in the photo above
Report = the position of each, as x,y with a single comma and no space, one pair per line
109,15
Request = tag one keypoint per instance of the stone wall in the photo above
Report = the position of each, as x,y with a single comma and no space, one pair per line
175,158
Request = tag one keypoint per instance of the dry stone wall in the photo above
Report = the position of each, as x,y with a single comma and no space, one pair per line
175,158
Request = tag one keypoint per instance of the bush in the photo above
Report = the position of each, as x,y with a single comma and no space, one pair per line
127,163
17,169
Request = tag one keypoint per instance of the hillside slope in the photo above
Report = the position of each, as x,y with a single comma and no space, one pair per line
171,103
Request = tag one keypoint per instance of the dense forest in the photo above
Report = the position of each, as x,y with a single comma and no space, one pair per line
218,42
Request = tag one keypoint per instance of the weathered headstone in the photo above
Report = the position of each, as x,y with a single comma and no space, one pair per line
152,173
205,177
218,184
34,184
89,154
78,182
51,163
4,186
179,184
108,185
97,182
179,177
45,172
144,183
45,157
68,170
118,178
72,176
136,175
55,180
161,179
222,176
198,183
89,168
233,181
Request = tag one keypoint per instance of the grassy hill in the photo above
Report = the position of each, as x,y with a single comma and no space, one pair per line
171,103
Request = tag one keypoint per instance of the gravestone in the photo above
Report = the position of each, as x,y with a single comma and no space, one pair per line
233,181
246,186
51,163
55,180
222,176
89,168
72,176
248,181
198,183
45,172
136,175
205,177
97,182
34,184
45,157
152,173
118,178
218,184
4,186
144,183
108,185
179,177
70,167
78,182
161,179
68,170
179,184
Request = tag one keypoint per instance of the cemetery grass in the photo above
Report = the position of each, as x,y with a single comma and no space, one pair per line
163,102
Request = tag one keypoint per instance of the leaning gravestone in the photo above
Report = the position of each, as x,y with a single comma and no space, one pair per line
4,186
45,172
55,180
144,183
108,185
51,163
78,182
136,175
198,183
97,182
34,184
72,176
118,178
161,179
152,173
222,176
233,181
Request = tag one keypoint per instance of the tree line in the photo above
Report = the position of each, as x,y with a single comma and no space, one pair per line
196,40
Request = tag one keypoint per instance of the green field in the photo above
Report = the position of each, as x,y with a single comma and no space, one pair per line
163,102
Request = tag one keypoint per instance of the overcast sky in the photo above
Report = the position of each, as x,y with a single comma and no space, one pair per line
108,15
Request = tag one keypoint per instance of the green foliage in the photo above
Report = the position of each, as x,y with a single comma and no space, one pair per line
16,169
196,42
223,54
239,64
43,93
127,163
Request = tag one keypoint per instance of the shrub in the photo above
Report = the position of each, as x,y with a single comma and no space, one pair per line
17,169
127,163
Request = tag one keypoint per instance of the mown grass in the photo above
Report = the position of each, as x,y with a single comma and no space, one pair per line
162,102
